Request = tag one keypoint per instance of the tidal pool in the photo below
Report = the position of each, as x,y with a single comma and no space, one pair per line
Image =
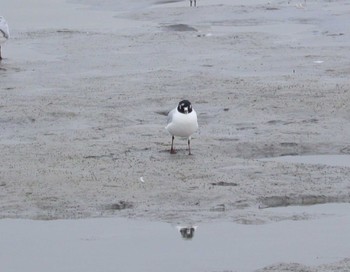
116,244
330,160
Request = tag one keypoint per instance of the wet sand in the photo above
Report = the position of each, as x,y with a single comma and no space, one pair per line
84,88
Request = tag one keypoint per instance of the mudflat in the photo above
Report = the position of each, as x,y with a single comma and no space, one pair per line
85,88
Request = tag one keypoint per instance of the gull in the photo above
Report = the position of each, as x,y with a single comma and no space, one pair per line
182,122
4,32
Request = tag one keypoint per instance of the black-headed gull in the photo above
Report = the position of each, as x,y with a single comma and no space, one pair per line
182,122
4,32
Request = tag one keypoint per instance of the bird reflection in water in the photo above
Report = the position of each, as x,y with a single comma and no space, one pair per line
187,233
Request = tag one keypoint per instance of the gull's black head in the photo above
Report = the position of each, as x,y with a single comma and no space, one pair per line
184,106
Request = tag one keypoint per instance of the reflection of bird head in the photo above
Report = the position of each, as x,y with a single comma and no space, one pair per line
187,232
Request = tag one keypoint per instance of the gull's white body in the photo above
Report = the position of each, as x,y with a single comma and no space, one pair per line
4,30
182,124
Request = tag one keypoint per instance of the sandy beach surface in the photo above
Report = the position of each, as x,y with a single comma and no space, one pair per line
85,86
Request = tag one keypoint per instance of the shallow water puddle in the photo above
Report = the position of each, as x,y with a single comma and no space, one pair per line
136,245
331,160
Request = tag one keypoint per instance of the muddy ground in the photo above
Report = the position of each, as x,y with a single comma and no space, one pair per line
83,106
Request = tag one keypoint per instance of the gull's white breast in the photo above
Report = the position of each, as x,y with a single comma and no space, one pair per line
4,30
182,125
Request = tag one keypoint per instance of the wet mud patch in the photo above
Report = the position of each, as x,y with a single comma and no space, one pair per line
121,205
286,148
180,28
9,68
222,139
288,122
111,156
71,31
167,2
300,200
265,150
345,150
289,144
46,33
223,183
163,113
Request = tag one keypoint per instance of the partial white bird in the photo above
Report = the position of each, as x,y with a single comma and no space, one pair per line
4,32
182,122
